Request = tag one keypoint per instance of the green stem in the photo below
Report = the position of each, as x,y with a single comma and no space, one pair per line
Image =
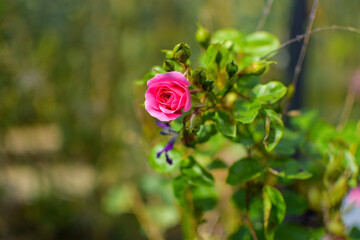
188,223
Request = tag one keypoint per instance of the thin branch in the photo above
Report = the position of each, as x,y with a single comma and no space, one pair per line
302,36
264,15
139,209
302,52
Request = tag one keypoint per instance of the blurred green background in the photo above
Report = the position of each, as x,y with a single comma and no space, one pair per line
74,138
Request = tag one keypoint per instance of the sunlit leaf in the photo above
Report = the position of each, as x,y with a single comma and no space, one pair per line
274,129
225,124
261,43
231,38
269,93
274,210
245,111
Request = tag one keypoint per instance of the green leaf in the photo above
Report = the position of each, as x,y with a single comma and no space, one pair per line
239,198
217,164
245,111
247,82
160,164
232,38
296,204
269,93
274,129
274,210
242,233
288,168
225,124
179,185
261,43
195,173
204,198
210,55
243,170
206,132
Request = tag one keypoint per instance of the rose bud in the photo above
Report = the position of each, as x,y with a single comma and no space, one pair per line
218,58
208,85
167,96
168,66
182,52
256,68
231,69
198,77
203,36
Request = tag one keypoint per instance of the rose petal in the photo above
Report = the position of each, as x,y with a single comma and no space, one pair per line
169,77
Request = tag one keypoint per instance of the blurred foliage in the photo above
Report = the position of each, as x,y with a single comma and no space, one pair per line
73,139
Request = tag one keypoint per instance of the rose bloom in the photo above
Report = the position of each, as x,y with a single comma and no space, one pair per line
167,96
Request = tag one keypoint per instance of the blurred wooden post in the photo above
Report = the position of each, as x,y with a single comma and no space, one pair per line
299,18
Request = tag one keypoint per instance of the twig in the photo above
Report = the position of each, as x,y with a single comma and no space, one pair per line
302,36
139,209
264,15
302,52
348,105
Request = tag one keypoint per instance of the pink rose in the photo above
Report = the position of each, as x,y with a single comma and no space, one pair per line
167,96
354,196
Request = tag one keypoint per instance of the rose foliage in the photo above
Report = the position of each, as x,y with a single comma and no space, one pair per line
287,179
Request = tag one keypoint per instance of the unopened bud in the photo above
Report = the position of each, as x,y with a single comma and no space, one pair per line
218,58
168,66
198,77
191,122
256,68
203,36
207,85
182,52
231,69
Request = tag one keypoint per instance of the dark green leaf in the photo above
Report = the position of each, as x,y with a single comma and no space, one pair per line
247,82
274,211
206,132
225,124
274,129
179,185
243,233
239,199
160,164
269,93
245,111
217,164
204,197
296,204
243,170
290,141
195,173
288,168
